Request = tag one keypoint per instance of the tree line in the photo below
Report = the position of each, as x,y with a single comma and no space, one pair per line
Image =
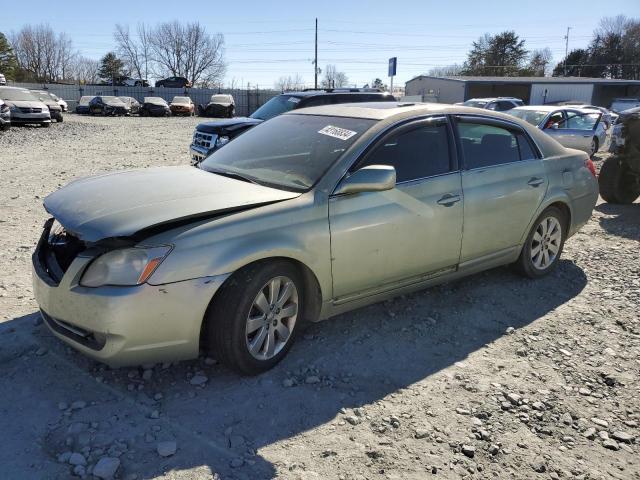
38,54
613,52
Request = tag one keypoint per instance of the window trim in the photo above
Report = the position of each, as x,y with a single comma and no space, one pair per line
496,122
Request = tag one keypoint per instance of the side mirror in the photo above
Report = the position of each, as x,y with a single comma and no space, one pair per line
373,178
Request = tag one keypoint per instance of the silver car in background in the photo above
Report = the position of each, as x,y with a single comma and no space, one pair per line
25,107
577,128
310,214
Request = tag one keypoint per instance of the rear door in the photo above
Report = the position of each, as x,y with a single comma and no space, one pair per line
503,181
576,129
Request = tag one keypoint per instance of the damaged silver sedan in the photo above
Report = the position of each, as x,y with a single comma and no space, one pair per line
310,214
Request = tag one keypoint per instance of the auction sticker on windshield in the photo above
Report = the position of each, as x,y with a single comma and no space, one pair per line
337,132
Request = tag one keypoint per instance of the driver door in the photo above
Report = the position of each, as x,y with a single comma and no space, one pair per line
379,239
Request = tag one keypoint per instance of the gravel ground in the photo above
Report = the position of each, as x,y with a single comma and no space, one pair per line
494,376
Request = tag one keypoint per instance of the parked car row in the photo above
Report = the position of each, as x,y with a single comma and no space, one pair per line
23,106
120,106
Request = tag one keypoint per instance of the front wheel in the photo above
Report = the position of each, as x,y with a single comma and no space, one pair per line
253,320
543,247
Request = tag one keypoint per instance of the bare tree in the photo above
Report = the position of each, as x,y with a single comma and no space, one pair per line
333,78
539,61
136,51
187,50
85,70
452,70
289,83
42,54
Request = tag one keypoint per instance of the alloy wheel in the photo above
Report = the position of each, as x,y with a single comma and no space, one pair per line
545,243
272,318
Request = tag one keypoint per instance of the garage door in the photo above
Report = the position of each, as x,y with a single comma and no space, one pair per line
544,93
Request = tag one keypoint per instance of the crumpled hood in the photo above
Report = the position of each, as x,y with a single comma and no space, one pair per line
222,127
124,203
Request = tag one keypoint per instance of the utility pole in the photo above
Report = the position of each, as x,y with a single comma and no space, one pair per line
566,50
315,61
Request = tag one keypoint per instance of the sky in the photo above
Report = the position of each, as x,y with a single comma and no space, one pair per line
265,40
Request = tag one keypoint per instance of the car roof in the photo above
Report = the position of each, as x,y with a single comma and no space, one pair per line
387,113
542,108
491,99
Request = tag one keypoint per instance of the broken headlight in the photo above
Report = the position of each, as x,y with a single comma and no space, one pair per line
124,267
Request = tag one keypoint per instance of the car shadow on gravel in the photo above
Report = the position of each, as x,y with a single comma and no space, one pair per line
620,220
231,425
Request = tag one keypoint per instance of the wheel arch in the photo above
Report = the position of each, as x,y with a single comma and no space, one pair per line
560,201
312,289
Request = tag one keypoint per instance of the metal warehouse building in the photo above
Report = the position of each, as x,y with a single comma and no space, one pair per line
533,90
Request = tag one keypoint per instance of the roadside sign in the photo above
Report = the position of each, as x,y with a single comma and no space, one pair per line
393,63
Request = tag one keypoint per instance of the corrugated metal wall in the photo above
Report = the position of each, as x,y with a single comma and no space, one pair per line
436,89
542,93
247,101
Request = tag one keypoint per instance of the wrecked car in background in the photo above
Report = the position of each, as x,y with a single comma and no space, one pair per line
132,104
308,215
83,105
581,129
55,110
220,105
182,106
25,107
107,105
5,116
154,107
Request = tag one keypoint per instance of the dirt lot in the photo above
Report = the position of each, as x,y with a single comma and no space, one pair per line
494,376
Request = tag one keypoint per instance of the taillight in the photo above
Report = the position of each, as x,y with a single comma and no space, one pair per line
589,164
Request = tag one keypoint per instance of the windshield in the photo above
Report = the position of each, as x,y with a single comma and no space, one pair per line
221,99
156,100
291,152
181,100
17,95
275,106
475,103
534,117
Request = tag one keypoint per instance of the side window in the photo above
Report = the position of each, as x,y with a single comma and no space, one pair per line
505,105
417,153
316,101
555,118
583,121
524,145
492,106
487,145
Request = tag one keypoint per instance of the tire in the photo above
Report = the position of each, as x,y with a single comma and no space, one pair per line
46,124
533,265
595,146
617,184
227,318
60,119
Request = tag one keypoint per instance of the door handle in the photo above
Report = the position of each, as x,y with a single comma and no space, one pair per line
535,182
448,200
586,136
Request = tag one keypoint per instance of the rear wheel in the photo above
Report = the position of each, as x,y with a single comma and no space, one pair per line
595,145
543,247
617,183
253,320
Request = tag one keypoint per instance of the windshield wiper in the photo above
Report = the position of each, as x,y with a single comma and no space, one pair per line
233,175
